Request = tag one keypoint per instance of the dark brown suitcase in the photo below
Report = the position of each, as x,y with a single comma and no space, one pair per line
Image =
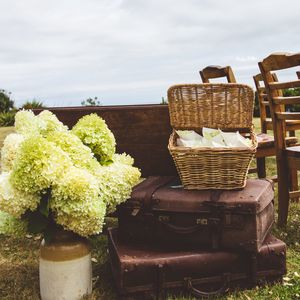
141,271
159,211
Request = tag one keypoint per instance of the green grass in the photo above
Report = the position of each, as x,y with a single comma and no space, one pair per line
19,263
4,131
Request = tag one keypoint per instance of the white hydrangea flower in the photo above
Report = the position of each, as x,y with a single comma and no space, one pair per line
77,204
13,201
48,123
39,163
26,123
116,182
123,158
93,132
9,150
81,155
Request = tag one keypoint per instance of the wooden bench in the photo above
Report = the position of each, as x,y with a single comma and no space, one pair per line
142,131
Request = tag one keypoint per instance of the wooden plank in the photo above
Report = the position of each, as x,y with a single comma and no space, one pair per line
265,152
294,194
282,115
286,100
284,85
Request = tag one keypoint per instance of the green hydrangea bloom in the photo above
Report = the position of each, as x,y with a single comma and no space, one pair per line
39,164
116,181
76,202
48,123
12,226
26,123
123,158
81,155
45,155
9,150
13,201
93,132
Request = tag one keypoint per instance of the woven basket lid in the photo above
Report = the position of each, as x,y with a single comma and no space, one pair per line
225,106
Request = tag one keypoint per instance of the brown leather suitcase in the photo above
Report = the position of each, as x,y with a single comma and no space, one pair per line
161,211
143,271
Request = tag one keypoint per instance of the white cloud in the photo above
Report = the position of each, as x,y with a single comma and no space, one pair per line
130,51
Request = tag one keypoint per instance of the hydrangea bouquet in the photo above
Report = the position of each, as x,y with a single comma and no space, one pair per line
52,176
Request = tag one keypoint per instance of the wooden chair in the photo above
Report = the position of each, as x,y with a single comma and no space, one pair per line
266,122
266,146
211,72
288,158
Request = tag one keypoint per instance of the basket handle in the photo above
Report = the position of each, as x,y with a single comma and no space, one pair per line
199,293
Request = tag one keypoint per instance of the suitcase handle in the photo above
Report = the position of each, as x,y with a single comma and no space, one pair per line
210,222
179,229
198,293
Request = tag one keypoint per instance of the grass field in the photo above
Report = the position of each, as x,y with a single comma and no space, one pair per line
19,263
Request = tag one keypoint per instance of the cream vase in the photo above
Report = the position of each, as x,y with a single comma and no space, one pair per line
65,267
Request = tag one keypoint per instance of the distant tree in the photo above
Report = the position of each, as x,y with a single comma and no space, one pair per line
6,104
7,118
290,93
286,93
163,101
33,104
91,102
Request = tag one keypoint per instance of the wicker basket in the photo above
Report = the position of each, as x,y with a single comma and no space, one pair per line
225,106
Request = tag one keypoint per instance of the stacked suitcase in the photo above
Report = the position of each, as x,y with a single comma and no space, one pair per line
199,242
213,235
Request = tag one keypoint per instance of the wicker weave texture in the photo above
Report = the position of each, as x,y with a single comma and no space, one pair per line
212,168
225,106
211,105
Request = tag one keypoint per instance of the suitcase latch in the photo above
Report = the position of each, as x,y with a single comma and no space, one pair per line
164,218
234,221
135,211
202,221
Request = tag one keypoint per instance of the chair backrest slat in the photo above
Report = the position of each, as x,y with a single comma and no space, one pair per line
211,72
284,85
287,100
282,115
262,100
281,61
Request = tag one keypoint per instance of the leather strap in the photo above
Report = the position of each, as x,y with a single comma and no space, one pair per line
215,195
158,182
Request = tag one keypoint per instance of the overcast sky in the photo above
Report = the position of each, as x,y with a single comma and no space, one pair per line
131,51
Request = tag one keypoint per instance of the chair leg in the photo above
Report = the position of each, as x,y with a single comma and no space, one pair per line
261,167
283,191
294,182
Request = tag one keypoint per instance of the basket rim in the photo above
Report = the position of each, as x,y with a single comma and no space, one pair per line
209,84
253,148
